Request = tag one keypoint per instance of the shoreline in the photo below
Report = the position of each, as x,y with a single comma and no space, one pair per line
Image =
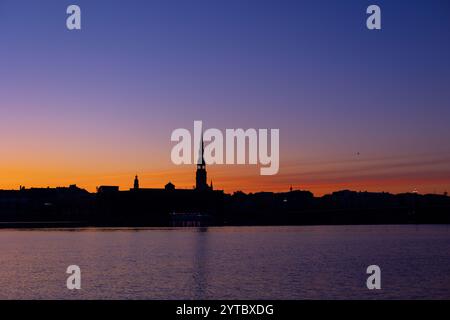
79,225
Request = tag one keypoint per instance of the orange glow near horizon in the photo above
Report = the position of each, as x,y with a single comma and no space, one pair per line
377,175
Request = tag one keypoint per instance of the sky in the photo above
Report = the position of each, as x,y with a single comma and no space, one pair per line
356,109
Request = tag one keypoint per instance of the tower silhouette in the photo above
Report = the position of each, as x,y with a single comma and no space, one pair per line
201,176
136,182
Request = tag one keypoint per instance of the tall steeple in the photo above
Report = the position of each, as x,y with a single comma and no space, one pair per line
201,176
201,157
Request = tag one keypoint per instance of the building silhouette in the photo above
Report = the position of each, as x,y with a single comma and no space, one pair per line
136,183
169,186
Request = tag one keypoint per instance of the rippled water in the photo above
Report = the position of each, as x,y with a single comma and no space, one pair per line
324,262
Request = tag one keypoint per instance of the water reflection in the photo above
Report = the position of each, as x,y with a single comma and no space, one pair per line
327,262
200,261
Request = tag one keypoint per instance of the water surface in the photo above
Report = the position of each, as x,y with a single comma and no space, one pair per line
323,262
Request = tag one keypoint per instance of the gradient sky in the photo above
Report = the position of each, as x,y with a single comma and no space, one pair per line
96,106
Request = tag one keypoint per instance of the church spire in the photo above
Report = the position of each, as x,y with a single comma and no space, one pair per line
201,150
201,176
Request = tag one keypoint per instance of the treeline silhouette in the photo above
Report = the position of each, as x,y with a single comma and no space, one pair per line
75,207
